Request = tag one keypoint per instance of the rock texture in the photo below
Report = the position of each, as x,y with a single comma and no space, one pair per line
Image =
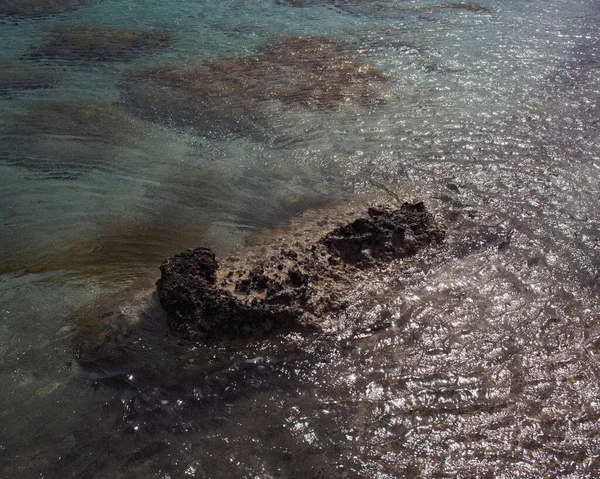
70,137
96,44
36,8
23,77
296,288
467,7
244,95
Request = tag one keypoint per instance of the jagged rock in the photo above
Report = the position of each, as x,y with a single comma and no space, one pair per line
86,43
236,95
294,289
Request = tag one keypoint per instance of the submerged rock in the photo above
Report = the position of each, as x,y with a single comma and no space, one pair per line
101,331
310,3
80,118
86,43
293,288
243,95
34,8
379,7
15,78
468,7
70,136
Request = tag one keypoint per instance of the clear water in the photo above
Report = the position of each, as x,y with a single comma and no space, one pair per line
487,361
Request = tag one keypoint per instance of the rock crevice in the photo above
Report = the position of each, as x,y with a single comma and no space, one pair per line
295,288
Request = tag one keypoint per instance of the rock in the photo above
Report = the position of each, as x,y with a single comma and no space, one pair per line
80,118
86,43
372,8
310,3
69,137
35,8
104,331
15,78
467,7
242,95
378,7
298,287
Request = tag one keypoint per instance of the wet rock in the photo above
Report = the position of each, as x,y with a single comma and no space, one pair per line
15,78
293,289
86,43
242,95
382,235
35,8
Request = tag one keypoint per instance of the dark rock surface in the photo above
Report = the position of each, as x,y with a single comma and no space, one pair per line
84,43
244,95
295,288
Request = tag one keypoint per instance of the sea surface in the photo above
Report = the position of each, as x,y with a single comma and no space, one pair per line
132,130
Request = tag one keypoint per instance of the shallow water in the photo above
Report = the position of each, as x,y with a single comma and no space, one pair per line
475,359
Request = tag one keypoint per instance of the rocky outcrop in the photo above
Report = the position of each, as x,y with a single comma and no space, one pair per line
242,95
96,44
294,288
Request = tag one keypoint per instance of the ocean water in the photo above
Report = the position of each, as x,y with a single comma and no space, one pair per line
485,358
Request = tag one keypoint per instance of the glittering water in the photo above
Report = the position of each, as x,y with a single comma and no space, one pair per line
477,359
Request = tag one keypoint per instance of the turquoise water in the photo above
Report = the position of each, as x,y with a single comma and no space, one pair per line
489,115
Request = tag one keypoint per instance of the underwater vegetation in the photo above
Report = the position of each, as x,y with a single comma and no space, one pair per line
80,43
379,7
241,95
70,136
15,77
35,8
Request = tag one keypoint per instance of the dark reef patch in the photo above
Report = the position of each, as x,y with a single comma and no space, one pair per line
310,3
294,288
16,77
37,8
96,44
467,7
241,95
385,8
69,137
